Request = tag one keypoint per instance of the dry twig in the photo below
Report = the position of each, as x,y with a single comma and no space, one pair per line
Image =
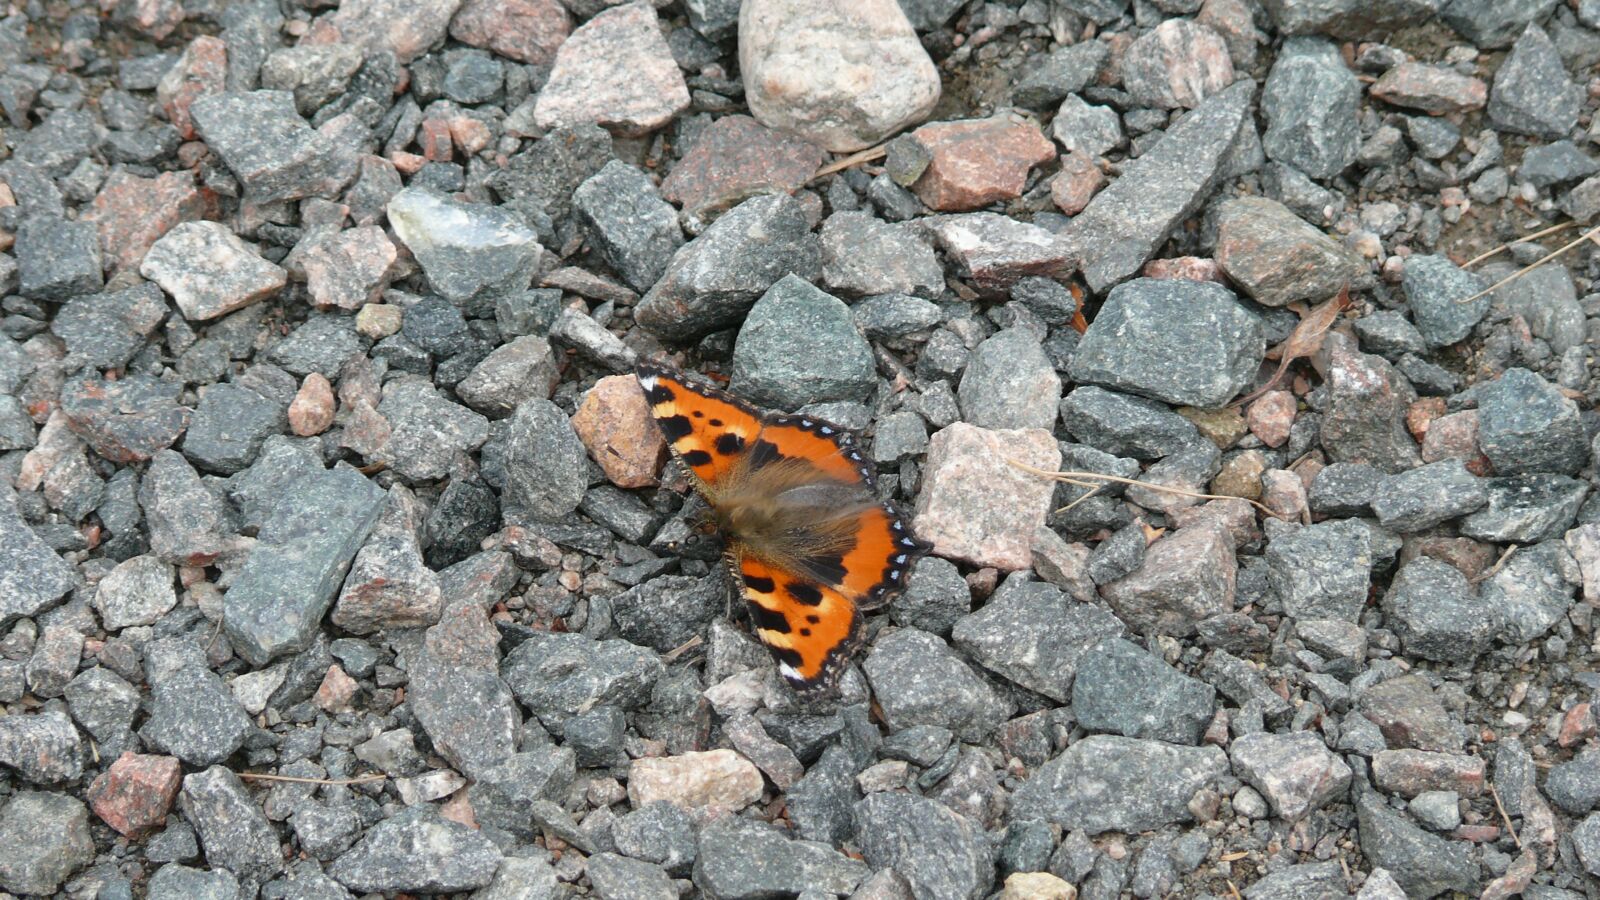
1529,268
1506,818
256,776
1543,232
1088,479
854,159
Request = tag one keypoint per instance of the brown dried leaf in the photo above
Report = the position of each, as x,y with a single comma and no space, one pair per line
1305,341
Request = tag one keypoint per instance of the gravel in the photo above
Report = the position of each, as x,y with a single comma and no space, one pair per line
339,555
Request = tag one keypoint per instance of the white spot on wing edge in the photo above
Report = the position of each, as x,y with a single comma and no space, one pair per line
789,672
649,381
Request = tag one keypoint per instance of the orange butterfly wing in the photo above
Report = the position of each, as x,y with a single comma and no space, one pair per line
808,620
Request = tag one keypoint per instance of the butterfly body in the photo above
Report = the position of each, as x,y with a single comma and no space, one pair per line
808,541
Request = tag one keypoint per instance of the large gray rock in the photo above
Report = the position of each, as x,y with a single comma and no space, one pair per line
1183,342
1310,101
466,249
713,280
290,579
1124,225
1123,689
47,839
942,854
1109,783
798,346
32,577
418,851
1033,635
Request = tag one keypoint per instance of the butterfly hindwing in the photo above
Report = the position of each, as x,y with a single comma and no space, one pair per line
809,627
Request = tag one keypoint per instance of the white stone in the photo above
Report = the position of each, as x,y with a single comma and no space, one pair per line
844,74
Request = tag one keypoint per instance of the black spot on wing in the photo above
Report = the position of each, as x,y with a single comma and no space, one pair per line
761,584
763,453
767,620
676,428
813,618
715,423
829,569
696,458
804,593
729,443
786,655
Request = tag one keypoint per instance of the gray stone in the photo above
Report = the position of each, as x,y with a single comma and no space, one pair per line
666,612
1186,577
1065,70
1122,689
714,279
47,840
1033,635
1547,300
993,252
1322,571
617,876
231,826
105,331
799,346
1533,591
891,316
1010,383
418,850
459,698
137,592
1183,342
32,577
1532,94
1409,714
935,598
1586,841
42,747
57,259
558,675
1424,865
179,882
1295,772
1526,425
189,525
503,794
1343,490
127,419
1423,497
1305,881
740,859
660,833
1348,19
1125,426
290,579
864,256
1085,128
467,250
942,854
1526,509
918,681
229,427
194,717
1364,419
632,228
1548,165
1574,786
1437,613
1110,783
524,367
427,431
1310,101
546,468
275,154
1126,223
1491,24
1242,683
1435,287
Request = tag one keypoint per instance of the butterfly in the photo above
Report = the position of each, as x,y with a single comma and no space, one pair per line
808,541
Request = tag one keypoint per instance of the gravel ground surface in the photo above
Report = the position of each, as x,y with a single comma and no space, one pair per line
338,558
